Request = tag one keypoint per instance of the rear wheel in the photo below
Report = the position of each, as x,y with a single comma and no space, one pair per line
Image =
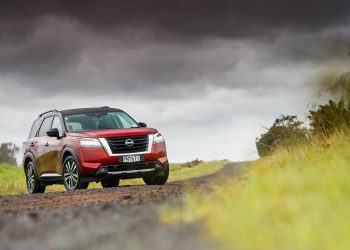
110,183
71,175
33,184
158,179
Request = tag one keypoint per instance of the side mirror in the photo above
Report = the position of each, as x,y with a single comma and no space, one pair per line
142,124
53,133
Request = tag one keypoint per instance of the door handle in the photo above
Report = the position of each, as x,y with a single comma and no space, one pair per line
32,144
47,144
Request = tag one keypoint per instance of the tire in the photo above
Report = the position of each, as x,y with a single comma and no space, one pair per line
110,183
71,175
33,184
158,179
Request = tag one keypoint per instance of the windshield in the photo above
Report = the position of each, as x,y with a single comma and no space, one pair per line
99,120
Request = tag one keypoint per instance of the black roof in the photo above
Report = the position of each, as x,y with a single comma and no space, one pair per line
81,110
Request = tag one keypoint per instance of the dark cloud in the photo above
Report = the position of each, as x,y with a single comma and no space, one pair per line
133,45
190,18
48,48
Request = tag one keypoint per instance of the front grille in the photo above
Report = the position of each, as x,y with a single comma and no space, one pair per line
117,144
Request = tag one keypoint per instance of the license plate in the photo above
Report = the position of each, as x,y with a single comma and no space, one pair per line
130,158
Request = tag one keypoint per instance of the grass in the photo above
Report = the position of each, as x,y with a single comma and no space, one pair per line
297,199
13,179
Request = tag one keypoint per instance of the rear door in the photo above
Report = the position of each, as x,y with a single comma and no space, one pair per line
31,145
42,166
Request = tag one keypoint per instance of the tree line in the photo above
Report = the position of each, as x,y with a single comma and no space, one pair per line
324,121
8,153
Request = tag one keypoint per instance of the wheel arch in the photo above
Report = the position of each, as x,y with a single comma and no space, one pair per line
68,151
27,158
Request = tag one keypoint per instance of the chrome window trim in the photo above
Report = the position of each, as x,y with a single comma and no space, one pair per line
105,145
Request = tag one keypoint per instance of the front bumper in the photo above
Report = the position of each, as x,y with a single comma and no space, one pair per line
92,159
128,171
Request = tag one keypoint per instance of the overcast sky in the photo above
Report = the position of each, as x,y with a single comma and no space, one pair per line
209,75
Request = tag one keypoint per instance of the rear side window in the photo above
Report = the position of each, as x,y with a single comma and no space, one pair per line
34,129
45,126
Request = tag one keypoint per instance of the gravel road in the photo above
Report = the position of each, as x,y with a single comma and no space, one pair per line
116,218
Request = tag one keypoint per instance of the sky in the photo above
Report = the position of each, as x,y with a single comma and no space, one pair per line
209,75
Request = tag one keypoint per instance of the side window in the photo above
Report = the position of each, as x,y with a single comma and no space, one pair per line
57,124
45,126
34,129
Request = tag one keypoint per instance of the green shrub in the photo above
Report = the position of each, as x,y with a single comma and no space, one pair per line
191,164
285,132
329,118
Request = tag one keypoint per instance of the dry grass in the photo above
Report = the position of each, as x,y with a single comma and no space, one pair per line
297,199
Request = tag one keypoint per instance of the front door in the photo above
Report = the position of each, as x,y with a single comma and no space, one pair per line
53,148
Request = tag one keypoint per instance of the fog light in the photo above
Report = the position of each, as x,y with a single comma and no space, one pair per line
158,165
103,170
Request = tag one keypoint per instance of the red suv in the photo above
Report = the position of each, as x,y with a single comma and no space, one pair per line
78,146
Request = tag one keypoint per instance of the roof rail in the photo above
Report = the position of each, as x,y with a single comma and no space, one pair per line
105,107
53,110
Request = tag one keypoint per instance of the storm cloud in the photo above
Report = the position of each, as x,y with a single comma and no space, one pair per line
187,67
190,19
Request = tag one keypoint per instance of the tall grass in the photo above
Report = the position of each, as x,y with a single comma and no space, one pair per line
294,199
10,176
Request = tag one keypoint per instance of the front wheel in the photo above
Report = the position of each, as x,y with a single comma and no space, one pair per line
158,179
33,184
71,175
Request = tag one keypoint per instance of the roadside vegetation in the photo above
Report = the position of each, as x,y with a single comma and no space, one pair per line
296,196
8,153
13,179
293,199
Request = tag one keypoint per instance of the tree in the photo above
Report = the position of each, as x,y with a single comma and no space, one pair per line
340,88
334,116
8,153
284,132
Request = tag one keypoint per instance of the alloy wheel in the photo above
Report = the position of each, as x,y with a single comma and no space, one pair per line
30,177
71,175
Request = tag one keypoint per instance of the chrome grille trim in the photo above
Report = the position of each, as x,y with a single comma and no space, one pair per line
110,153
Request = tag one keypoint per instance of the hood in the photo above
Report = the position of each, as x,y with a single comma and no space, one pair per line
105,133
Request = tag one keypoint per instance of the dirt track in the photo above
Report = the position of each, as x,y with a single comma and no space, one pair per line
116,218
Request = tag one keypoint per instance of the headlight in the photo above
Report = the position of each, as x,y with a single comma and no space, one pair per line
158,138
90,143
